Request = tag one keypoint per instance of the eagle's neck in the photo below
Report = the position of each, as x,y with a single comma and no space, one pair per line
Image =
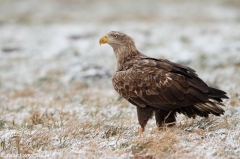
126,53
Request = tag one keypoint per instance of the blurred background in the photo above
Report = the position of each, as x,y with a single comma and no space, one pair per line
55,78
58,39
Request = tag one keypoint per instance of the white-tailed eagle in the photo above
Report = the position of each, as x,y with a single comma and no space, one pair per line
159,86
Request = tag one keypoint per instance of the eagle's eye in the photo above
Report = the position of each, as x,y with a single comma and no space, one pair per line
115,36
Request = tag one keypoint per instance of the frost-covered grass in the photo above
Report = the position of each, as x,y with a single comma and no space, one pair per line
56,97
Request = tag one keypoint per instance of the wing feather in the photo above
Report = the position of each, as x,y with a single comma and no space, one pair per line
176,92
162,84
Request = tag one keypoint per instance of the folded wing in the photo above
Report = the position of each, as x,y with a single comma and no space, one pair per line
166,85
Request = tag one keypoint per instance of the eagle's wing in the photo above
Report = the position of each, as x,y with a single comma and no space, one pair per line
162,84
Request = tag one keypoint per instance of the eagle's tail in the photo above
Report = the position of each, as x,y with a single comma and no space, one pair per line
213,105
216,94
204,108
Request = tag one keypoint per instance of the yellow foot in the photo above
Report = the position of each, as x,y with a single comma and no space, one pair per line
141,130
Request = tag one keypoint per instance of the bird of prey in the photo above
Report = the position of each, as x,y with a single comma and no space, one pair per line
160,87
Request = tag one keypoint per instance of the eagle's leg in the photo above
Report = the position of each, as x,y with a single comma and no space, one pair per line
163,118
144,114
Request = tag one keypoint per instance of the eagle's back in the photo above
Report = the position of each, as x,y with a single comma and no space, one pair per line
165,85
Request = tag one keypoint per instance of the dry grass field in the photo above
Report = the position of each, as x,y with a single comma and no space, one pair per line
56,97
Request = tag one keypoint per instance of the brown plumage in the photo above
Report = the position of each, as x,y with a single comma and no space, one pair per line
159,86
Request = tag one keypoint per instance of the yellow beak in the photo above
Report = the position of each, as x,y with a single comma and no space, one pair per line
104,40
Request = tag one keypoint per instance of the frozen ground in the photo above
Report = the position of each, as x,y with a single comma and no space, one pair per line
56,97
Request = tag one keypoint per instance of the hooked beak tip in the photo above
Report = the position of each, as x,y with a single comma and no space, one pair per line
103,40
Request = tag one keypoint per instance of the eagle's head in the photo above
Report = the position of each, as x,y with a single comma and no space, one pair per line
117,39
123,47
